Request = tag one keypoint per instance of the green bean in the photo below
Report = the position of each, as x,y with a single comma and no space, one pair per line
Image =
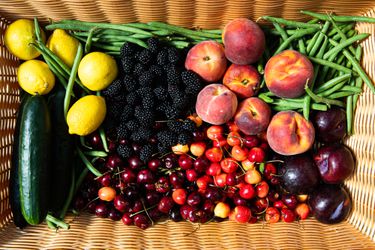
37,30
219,32
282,32
306,107
349,114
88,163
182,44
331,65
265,98
103,32
57,74
344,44
141,36
320,39
113,53
57,222
344,28
320,99
89,40
144,26
107,47
72,77
341,34
358,84
80,179
311,43
314,20
162,32
301,46
290,23
289,105
341,94
332,82
339,18
104,139
353,89
357,67
283,108
296,35
329,73
96,153
69,198
331,90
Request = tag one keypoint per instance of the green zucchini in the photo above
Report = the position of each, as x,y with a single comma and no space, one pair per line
14,190
34,156
62,153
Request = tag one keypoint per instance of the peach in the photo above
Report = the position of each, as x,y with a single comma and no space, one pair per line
244,41
207,59
287,73
242,79
252,116
216,104
289,133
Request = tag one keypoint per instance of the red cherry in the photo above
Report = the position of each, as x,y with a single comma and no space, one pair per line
240,214
238,153
231,179
262,189
179,196
214,154
185,161
247,191
214,169
191,175
154,164
203,182
257,154
232,127
229,165
220,143
215,132
269,171
287,215
251,141
234,139
220,180
272,215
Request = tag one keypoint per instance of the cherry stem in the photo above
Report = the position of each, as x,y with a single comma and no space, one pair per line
268,204
144,210
272,161
90,202
144,207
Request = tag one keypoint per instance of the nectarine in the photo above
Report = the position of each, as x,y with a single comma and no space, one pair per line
242,79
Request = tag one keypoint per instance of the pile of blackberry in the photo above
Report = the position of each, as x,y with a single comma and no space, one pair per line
153,85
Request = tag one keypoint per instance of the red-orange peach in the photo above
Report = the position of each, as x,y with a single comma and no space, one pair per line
242,79
207,59
244,41
287,73
216,104
289,133
252,116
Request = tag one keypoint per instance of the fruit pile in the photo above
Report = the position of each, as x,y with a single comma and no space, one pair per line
195,125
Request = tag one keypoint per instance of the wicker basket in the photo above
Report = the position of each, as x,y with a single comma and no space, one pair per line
87,231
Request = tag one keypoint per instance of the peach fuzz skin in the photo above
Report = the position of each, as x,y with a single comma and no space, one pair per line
216,104
207,59
287,73
252,116
244,41
289,133
242,79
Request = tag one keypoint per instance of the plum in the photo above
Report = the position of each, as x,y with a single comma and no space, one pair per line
335,163
330,125
299,174
330,204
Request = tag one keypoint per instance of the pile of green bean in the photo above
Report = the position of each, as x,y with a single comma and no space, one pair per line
110,37
331,44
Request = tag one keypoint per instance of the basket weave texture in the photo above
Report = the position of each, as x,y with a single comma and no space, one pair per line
357,232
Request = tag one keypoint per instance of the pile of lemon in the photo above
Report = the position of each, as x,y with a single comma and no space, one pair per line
96,71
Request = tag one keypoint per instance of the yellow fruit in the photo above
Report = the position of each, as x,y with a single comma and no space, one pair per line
35,77
97,70
18,38
86,115
63,45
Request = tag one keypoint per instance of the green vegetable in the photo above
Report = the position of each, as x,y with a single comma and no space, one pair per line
290,23
34,156
324,17
344,44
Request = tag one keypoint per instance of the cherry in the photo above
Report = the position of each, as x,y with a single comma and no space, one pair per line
279,204
175,214
269,171
247,191
114,215
240,214
262,189
152,198
231,179
185,162
121,186
222,210
201,164
220,180
177,179
214,154
198,216
91,207
234,139
131,192
290,200
136,147
287,215
153,140
114,161
101,210
185,210
229,165
170,161
121,204
261,204
208,206
150,186
257,154
145,176
302,210
137,206
155,214
264,146
162,185
126,219
135,162
194,199
239,201
213,194
251,141
275,180
154,164
232,127
79,203
191,175
198,135
105,180
141,221
198,148
215,132
214,169
128,176
272,215
252,176
95,141
238,153
179,196
107,193
222,143
203,181
166,204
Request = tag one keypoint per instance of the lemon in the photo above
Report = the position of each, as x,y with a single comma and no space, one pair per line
86,115
35,77
18,38
63,45
97,70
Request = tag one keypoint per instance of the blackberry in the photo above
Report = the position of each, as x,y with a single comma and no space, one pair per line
146,78
153,44
167,137
189,125
176,126
127,113
129,83
132,98
132,125
172,112
145,91
144,116
163,149
184,138
146,152
113,89
192,82
161,93
173,76
148,102
157,70
140,135
162,57
115,109
139,68
127,64
127,50
144,57
122,131
124,151
173,55
180,101
120,98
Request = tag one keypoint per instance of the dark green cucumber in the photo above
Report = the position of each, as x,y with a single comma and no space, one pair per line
14,187
34,156
62,153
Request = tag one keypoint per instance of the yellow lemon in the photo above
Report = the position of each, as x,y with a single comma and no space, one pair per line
35,77
63,45
18,38
97,70
86,115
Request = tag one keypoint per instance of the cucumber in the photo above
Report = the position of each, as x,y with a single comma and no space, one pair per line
14,190
34,156
62,153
